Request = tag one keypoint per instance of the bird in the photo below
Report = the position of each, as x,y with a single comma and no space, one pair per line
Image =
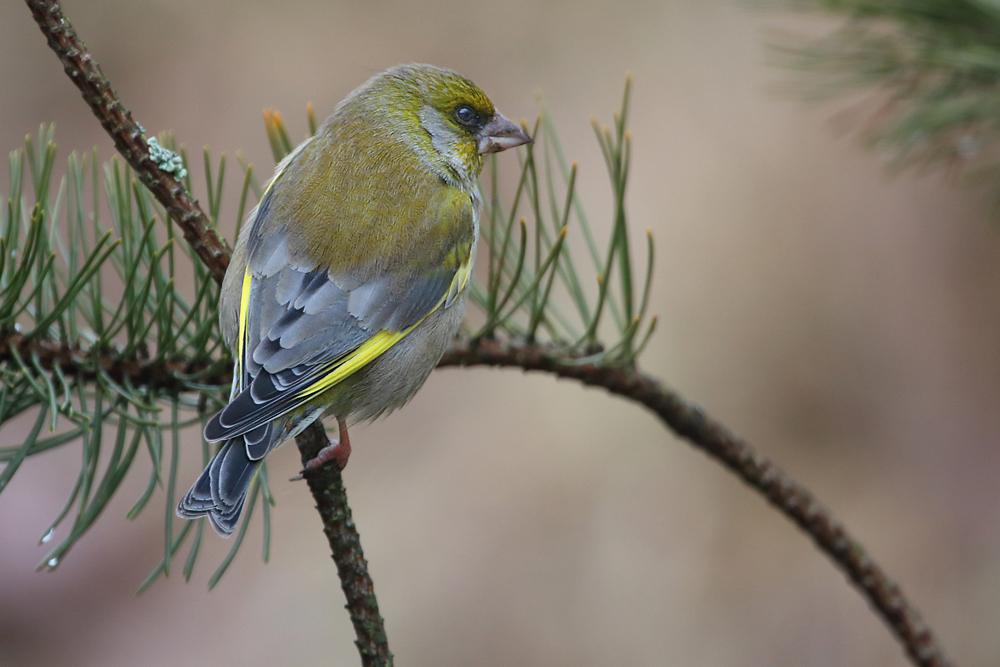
350,277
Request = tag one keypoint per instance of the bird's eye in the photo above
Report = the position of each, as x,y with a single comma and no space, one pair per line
466,115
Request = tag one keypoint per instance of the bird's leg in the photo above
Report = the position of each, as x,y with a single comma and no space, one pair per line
337,451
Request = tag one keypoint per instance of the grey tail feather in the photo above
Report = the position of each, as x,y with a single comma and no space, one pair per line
221,490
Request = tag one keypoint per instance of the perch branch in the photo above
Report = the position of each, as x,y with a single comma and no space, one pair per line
685,419
328,490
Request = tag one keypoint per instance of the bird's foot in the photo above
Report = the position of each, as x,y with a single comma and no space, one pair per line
337,451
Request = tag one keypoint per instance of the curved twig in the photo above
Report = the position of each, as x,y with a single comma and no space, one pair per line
685,419
691,423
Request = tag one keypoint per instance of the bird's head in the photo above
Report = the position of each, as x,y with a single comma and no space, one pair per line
444,117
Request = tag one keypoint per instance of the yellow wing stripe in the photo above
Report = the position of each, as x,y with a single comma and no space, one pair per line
378,344
247,277
244,311
370,350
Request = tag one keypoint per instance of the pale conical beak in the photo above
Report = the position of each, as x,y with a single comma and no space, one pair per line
500,134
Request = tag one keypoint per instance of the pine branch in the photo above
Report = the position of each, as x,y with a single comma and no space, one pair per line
931,69
117,121
691,423
517,286
327,486
84,365
329,493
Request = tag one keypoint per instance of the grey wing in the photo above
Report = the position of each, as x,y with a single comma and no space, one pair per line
302,321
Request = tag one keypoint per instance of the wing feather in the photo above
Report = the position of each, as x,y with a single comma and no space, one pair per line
303,329
302,349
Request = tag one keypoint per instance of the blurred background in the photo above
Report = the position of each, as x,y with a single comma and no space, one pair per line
843,320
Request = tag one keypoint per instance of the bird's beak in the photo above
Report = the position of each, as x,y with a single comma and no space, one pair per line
500,134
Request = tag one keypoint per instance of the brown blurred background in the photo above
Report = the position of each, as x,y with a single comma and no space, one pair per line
844,321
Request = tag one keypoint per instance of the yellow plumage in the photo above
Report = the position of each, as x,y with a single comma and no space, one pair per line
349,279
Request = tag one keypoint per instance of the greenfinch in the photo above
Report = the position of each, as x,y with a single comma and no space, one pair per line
349,280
